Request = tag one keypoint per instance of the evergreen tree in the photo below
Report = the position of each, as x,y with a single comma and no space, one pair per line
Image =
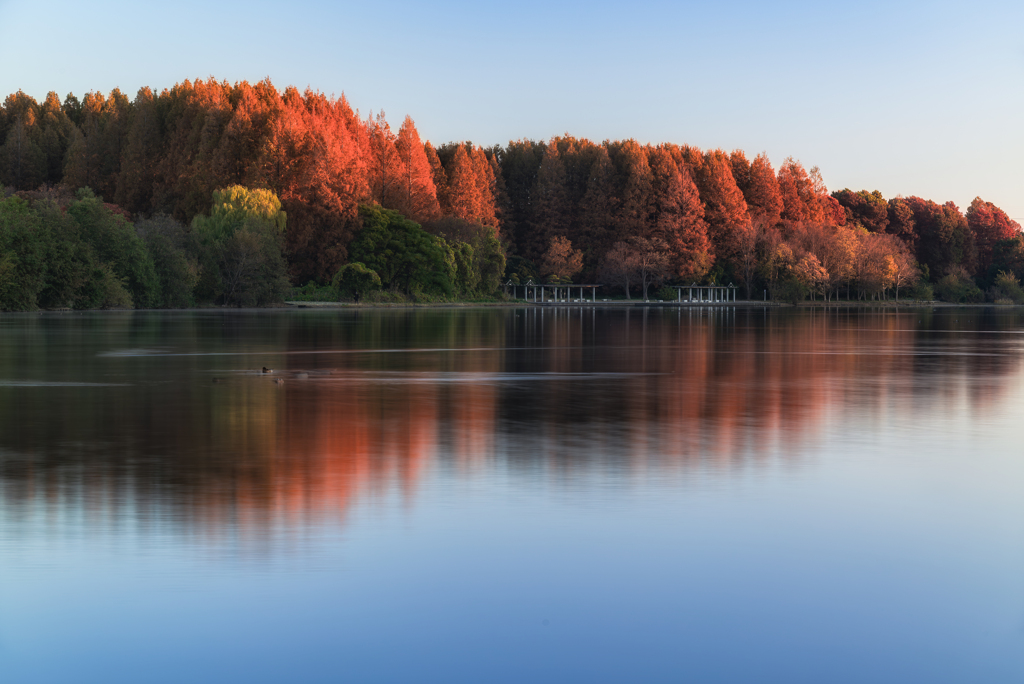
761,192
417,198
725,210
678,219
551,215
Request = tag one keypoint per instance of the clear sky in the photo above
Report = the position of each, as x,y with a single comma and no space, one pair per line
912,98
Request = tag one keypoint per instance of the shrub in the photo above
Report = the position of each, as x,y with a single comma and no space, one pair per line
355,281
920,291
312,292
958,288
790,290
1007,287
669,294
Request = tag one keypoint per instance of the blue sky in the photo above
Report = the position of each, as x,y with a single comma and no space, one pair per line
904,97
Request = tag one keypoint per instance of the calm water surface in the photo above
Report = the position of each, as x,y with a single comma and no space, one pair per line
501,495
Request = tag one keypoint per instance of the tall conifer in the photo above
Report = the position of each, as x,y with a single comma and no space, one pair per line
417,198
678,218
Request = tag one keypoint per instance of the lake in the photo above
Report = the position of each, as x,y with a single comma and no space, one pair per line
513,495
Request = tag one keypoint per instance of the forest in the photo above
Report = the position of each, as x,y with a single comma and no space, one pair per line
243,195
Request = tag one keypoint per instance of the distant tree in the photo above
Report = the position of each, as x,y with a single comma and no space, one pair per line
804,195
23,163
638,260
143,146
945,241
561,262
355,281
990,224
620,266
678,217
552,212
650,255
387,174
481,266
866,209
23,243
598,211
178,272
761,192
440,177
725,210
417,197
635,206
519,164
238,248
811,274
117,245
1007,255
901,221
403,255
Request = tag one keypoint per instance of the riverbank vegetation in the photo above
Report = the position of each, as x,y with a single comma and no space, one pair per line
212,193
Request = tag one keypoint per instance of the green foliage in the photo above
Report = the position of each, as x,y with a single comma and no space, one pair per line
251,265
1008,257
116,244
489,259
313,292
105,290
467,278
667,294
234,205
355,281
520,270
920,291
22,256
478,254
403,255
790,290
957,287
177,271
238,248
1007,286
87,257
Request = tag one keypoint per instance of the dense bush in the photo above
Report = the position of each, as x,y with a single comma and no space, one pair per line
403,255
790,290
957,287
668,294
177,270
921,291
355,281
1007,287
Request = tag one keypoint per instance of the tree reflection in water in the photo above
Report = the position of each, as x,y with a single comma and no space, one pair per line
367,402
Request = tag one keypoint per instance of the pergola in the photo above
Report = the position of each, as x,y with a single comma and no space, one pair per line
707,293
558,293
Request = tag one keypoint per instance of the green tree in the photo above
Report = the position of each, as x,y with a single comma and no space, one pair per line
355,281
238,248
22,256
177,271
118,246
406,257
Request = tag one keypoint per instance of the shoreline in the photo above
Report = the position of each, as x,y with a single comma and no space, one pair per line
614,304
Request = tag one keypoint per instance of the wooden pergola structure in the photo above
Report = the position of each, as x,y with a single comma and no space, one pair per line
710,294
546,292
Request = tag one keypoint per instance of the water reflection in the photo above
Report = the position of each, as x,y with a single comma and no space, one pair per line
166,418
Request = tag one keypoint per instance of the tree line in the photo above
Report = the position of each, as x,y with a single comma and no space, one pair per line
337,199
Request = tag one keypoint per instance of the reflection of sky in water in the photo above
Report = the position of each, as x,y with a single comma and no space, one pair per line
512,496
